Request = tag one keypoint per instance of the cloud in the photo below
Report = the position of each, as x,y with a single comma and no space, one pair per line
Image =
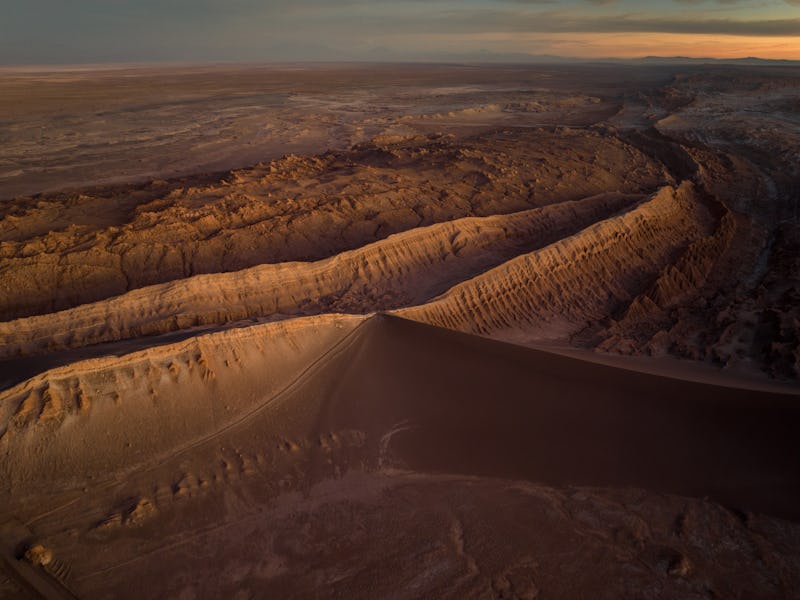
637,24
575,22
106,30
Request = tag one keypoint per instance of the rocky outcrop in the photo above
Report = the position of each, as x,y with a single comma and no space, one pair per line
294,209
559,289
404,269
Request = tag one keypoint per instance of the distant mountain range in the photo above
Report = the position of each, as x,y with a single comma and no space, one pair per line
750,60
492,57
317,52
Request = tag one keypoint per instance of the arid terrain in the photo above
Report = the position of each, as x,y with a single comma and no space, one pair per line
400,331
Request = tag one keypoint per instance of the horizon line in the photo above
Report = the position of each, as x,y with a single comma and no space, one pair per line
533,60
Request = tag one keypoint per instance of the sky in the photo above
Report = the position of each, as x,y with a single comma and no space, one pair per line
114,31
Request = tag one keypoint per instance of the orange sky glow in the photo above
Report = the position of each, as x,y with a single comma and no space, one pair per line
633,45
46,31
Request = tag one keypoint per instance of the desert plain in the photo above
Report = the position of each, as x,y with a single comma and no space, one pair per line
400,331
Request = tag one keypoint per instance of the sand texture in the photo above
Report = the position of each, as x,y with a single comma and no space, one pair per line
334,421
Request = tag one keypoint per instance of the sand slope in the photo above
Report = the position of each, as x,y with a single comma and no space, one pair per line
141,405
365,405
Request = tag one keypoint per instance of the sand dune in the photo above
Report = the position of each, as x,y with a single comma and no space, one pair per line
533,409
308,401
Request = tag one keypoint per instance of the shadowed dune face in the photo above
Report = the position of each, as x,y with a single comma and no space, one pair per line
533,411
351,421
297,377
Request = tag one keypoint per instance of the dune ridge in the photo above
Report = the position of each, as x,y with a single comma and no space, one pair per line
159,404
352,418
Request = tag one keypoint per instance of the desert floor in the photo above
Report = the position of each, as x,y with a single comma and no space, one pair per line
400,331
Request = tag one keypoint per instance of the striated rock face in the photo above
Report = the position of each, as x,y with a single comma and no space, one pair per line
576,280
524,235
405,268
641,325
296,208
